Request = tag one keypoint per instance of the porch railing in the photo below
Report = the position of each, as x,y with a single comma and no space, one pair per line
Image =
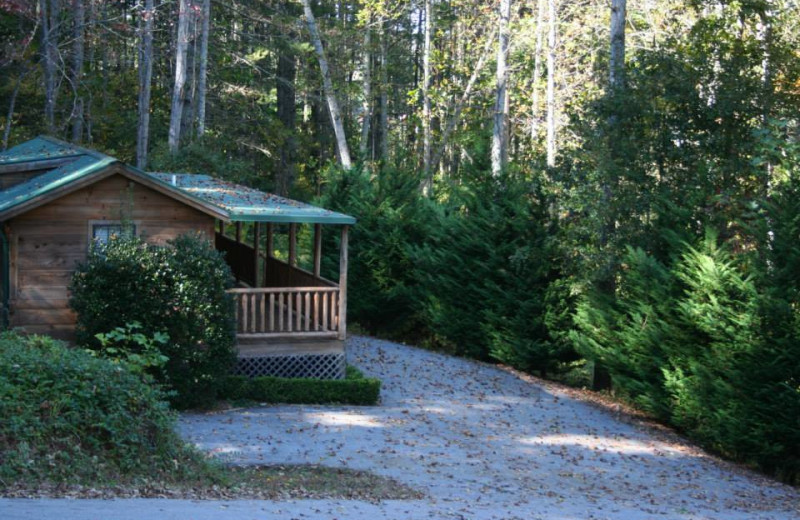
265,312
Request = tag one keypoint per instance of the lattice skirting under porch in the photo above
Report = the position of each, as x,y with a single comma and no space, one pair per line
319,366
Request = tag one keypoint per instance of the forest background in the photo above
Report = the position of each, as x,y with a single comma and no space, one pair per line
598,191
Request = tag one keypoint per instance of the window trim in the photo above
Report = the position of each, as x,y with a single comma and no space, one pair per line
92,223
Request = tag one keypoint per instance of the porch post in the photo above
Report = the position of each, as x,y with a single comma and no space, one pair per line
343,284
257,251
268,256
317,249
239,232
221,227
269,240
293,244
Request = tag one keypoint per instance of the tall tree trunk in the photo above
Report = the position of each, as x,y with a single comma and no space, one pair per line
384,100
12,102
92,66
363,145
145,81
190,90
537,69
178,91
330,95
616,68
49,20
427,171
78,45
286,73
203,80
499,135
551,83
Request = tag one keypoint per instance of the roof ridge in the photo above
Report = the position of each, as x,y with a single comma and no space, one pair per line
77,148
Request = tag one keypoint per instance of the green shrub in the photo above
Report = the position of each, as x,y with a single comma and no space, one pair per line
179,290
354,389
708,348
137,351
68,416
486,272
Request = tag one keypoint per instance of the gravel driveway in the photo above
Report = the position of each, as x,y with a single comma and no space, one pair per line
482,444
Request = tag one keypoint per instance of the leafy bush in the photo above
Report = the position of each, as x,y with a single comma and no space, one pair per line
138,352
68,416
178,290
354,389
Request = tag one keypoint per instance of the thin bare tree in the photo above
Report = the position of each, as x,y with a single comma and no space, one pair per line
343,151
551,82
427,171
178,91
499,130
145,80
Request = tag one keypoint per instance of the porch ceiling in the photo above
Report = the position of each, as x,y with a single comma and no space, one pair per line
244,204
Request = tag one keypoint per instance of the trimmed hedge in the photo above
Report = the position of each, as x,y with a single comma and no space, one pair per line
354,389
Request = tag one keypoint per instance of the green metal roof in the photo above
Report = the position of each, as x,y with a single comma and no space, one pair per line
237,202
248,205
41,149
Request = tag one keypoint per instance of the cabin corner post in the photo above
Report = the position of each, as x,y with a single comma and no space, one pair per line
269,246
343,283
317,250
257,252
293,244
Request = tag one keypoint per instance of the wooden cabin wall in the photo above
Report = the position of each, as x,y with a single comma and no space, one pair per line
49,241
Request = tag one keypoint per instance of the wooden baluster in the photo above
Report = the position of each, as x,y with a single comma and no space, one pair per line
299,312
280,312
289,311
244,312
253,324
308,312
263,298
316,310
271,312
325,302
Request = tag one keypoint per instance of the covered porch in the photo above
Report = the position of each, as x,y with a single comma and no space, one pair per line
290,320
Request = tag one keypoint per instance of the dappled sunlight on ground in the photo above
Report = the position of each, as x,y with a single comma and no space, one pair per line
620,445
344,418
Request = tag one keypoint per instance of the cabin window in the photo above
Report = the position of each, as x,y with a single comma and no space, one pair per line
103,232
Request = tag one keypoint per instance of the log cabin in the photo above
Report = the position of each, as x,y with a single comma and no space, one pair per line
56,198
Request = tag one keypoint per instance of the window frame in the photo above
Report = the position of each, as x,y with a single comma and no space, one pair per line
92,224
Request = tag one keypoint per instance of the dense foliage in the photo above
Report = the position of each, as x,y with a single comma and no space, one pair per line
69,416
176,290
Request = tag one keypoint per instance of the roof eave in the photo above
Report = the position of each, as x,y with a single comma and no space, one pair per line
289,219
